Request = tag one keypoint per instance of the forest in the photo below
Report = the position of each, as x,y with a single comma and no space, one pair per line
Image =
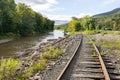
21,20
93,23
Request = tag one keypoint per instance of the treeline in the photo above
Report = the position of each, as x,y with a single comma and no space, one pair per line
20,19
62,27
87,23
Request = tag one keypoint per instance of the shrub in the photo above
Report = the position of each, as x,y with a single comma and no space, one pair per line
8,68
51,53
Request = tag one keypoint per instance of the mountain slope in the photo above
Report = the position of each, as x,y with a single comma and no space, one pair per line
109,13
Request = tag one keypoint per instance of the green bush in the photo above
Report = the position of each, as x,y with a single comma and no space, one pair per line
8,68
40,65
51,53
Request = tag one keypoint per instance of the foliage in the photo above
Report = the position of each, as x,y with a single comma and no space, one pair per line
110,32
20,19
90,32
89,43
61,27
51,53
94,24
8,68
112,45
38,65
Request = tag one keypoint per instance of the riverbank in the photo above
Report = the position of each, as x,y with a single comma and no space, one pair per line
34,62
5,40
20,44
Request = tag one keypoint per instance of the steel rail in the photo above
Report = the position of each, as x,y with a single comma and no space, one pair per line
105,72
68,63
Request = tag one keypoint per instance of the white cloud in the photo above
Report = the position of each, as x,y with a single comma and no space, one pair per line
110,1
49,5
65,17
52,1
40,5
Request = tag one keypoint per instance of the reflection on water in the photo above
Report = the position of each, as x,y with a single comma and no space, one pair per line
19,45
54,35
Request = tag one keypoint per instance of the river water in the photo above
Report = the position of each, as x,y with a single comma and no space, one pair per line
17,46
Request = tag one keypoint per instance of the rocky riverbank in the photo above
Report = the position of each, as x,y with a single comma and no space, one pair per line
5,40
35,63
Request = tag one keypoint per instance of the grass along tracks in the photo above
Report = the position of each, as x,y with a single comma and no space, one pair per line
88,67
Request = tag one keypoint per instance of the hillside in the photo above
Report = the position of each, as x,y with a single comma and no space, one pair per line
105,21
109,13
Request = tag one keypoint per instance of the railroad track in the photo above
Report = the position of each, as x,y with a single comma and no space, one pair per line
97,67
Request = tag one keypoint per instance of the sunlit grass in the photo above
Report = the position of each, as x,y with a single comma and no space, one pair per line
110,44
88,43
51,53
91,32
8,68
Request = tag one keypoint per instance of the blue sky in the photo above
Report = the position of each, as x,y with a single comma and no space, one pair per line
65,9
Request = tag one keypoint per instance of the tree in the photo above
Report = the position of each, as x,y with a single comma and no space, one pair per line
7,12
26,25
20,19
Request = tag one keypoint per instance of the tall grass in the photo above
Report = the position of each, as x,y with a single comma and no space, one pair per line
112,45
51,53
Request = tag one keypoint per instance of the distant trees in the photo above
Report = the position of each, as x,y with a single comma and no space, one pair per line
109,22
21,19
85,23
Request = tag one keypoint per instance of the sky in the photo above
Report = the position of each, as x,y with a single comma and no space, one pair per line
65,9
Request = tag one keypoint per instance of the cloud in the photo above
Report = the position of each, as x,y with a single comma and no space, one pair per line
40,5
110,1
65,17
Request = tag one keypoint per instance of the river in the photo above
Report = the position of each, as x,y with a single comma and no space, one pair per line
17,46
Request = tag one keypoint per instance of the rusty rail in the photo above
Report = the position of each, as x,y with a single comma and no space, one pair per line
105,72
68,63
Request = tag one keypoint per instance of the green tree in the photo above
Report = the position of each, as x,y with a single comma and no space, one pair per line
26,15
7,12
